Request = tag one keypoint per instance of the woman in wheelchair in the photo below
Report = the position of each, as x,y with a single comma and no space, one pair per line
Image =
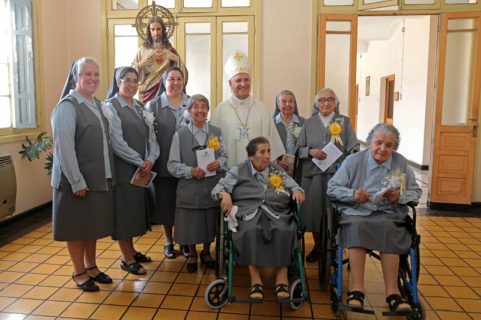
372,189
260,195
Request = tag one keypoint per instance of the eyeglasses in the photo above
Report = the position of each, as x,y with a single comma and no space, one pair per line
324,100
130,81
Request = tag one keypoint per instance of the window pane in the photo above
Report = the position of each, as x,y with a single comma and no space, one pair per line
231,43
458,78
460,1
235,3
198,63
337,67
125,50
125,30
197,3
233,27
338,2
419,1
461,24
164,3
125,4
197,28
338,25
5,113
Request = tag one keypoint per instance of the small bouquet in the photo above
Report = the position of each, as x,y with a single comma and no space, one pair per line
336,129
276,181
213,143
149,120
396,180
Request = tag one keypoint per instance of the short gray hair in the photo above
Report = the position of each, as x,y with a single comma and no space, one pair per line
316,102
197,97
80,64
387,129
251,147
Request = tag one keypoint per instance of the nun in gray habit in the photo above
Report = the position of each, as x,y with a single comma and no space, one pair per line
82,173
135,148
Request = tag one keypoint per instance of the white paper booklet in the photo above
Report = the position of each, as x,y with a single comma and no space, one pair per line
143,182
333,153
204,157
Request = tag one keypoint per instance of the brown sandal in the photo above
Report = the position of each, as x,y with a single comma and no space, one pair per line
255,290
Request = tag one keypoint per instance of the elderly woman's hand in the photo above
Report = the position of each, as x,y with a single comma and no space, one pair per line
317,153
392,195
213,166
198,173
226,202
361,195
298,196
81,193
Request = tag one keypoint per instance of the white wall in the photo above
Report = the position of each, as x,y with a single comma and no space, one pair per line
286,51
385,58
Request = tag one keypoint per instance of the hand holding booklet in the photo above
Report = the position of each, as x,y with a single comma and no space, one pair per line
204,157
333,153
142,181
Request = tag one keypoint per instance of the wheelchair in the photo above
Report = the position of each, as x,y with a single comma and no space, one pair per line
220,291
332,261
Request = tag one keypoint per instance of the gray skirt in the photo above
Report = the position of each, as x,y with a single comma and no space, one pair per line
265,241
165,191
131,211
194,226
88,218
384,232
316,202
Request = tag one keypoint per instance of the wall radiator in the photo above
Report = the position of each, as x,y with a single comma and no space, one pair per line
8,186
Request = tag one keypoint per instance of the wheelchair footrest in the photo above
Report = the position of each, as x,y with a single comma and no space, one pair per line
397,313
344,307
233,299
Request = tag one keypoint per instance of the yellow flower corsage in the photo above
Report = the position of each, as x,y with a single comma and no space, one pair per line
276,181
213,143
336,129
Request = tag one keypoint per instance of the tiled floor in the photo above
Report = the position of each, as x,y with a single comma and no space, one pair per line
35,281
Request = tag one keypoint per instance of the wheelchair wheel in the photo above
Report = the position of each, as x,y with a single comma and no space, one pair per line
296,293
326,252
215,297
419,312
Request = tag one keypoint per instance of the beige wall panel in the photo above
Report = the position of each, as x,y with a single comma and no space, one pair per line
286,51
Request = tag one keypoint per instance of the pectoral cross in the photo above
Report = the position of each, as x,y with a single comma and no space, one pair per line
243,134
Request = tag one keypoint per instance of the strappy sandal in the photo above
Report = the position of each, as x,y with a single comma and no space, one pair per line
88,285
140,257
282,288
256,289
394,300
209,262
192,264
133,268
355,296
100,277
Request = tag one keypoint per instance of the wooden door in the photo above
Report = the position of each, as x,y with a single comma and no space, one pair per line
457,107
388,101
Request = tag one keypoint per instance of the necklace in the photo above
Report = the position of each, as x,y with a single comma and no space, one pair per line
243,124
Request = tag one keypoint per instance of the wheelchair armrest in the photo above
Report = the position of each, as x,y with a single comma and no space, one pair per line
412,204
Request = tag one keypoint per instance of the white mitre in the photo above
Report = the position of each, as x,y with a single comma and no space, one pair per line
237,63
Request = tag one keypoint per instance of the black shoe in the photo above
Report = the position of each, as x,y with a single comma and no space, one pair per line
184,250
207,260
140,257
169,251
87,286
101,277
313,256
133,268
192,267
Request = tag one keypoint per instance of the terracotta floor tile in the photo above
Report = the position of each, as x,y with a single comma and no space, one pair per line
182,289
470,305
107,312
446,304
120,298
66,294
148,300
56,281
9,276
462,292
433,291
452,262
439,270
136,313
131,285
12,316
51,308
164,276
15,290
230,316
5,302
449,280
197,315
45,268
40,292
465,271
23,306
169,314
157,287
31,279
37,257
177,302
80,310
93,297
446,315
